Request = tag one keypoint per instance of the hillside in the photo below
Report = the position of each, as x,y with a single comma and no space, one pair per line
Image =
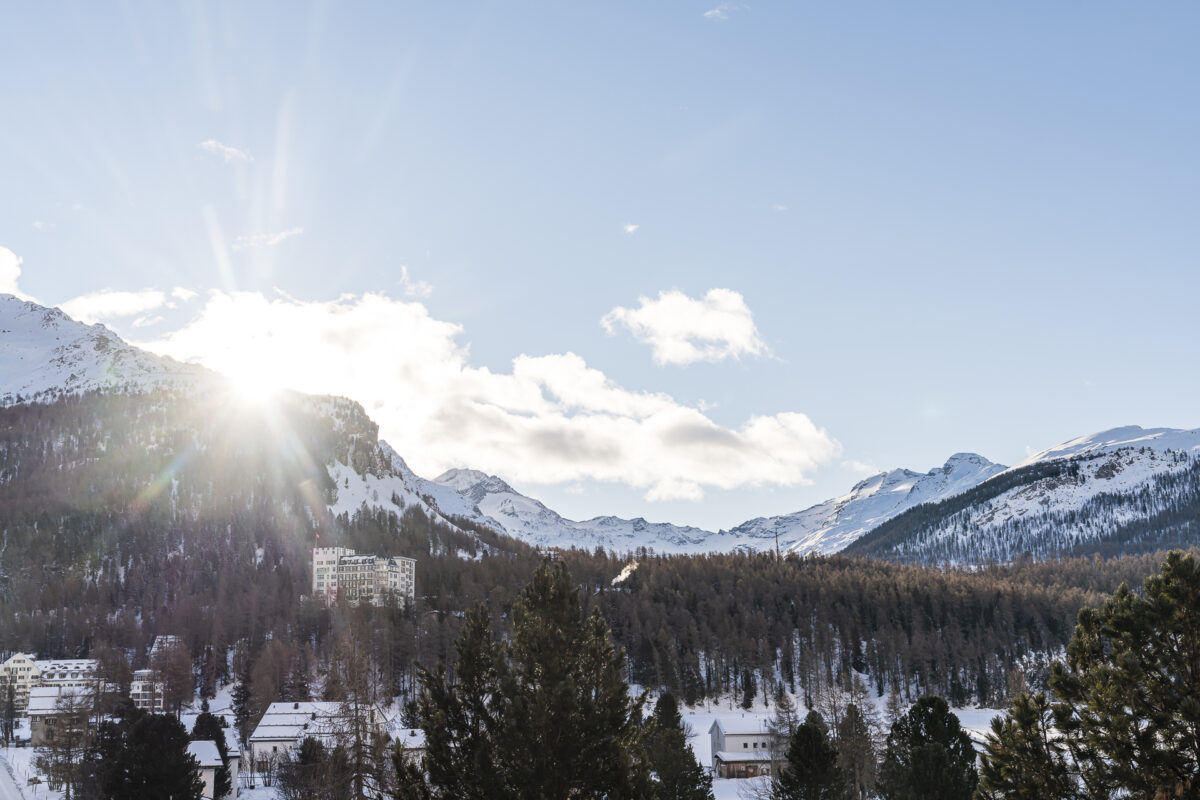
1128,489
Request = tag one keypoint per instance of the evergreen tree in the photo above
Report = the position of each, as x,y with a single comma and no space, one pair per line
208,727
240,702
677,773
141,757
1129,690
545,715
811,771
569,727
929,756
460,721
1023,758
8,720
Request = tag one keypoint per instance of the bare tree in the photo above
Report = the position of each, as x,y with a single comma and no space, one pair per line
67,737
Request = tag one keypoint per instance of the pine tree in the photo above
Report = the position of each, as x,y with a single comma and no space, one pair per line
240,702
1129,690
929,756
569,727
811,771
1023,758
459,718
545,715
141,757
677,773
208,727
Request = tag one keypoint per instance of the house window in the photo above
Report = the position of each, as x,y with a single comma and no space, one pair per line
745,745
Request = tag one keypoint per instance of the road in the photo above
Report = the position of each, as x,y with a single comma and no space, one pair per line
8,787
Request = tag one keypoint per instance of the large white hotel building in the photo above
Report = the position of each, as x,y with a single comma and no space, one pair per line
340,572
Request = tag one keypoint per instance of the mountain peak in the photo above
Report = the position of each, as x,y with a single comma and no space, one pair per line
45,354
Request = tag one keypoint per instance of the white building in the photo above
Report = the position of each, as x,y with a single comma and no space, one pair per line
209,758
341,572
285,725
25,673
741,748
146,692
21,672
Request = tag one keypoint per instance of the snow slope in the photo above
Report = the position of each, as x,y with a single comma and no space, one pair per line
823,528
45,354
1107,482
530,520
830,526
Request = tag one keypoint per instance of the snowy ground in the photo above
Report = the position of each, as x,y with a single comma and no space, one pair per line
976,721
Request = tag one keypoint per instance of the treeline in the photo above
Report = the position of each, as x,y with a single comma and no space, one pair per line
123,517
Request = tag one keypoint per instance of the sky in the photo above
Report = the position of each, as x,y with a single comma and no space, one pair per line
692,261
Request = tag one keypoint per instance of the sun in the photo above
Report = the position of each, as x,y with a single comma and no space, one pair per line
254,388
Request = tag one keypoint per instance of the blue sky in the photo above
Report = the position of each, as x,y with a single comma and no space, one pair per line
937,227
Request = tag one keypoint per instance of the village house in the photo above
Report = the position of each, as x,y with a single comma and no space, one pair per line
341,572
741,748
208,756
285,725
53,708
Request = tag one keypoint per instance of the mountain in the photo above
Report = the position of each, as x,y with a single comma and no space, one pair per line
830,526
824,528
1128,489
530,520
46,354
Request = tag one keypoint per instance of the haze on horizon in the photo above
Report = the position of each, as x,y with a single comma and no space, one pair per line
696,262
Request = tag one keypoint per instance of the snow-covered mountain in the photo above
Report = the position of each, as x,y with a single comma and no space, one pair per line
45,354
830,526
530,520
1122,486
1128,488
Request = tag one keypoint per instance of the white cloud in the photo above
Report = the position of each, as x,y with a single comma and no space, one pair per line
42,227
779,207
414,288
183,294
111,303
722,11
146,321
683,330
552,419
10,273
630,227
226,152
265,239
860,467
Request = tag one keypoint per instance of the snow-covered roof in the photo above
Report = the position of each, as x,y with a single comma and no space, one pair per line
741,726
409,738
189,723
67,668
43,700
205,753
291,722
731,756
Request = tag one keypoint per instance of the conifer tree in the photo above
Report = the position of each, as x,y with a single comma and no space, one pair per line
545,715
1129,690
141,757
677,773
1023,758
811,771
459,718
570,729
208,727
929,756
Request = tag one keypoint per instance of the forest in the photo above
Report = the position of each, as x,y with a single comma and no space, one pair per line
127,516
